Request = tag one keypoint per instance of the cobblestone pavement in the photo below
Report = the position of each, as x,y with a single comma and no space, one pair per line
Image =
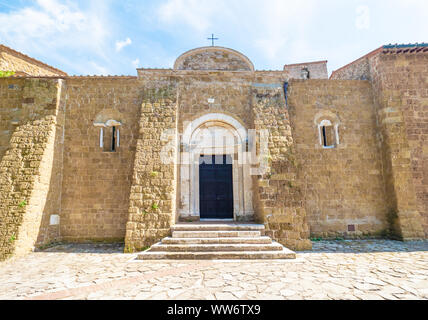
377,269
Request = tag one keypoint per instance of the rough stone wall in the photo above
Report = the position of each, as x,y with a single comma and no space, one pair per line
214,60
317,70
230,97
11,60
400,83
27,167
153,190
358,70
11,90
231,93
279,197
280,205
96,182
372,183
342,186
49,231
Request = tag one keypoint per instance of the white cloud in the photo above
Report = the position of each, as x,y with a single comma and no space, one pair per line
52,26
121,44
72,33
195,13
136,63
100,70
271,24
363,18
50,17
280,22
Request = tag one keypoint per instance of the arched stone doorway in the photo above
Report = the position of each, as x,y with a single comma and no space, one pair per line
218,135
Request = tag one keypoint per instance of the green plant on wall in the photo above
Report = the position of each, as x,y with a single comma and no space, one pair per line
154,174
291,157
128,249
22,204
268,158
155,206
5,74
12,238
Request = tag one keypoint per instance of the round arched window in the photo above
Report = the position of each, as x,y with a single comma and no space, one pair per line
328,134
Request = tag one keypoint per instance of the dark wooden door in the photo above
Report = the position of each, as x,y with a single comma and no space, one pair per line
216,187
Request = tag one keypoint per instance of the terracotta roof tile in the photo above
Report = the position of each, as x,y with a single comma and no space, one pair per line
390,49
405,48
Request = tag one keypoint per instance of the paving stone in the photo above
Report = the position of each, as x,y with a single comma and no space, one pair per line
387,295
224,296
287,293
365,270
374,281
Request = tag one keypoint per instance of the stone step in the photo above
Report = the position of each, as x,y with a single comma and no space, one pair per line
254,240
218,227
215,247
216,234
223,255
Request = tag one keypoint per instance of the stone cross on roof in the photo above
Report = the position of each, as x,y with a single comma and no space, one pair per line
212,39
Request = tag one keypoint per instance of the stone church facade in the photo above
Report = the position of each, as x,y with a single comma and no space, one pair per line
122,158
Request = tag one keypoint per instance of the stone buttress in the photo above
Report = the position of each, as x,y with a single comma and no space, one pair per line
152,198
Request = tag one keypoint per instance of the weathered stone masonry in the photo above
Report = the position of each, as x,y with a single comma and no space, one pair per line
29,169
152,198
60,180
399,77
280,200
96,181
21,64
343,186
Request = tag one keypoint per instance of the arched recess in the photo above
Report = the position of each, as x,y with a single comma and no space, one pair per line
109,121
214,134
327,118
213,58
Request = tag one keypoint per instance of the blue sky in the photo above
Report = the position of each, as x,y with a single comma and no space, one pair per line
114,37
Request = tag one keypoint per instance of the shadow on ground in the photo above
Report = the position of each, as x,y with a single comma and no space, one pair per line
99,248
367,246
325,246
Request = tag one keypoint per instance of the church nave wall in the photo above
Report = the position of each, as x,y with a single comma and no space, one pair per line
343,185
97,180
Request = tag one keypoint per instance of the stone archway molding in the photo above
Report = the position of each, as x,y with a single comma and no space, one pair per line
189,165
213,117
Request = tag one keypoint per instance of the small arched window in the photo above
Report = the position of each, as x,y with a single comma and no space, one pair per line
328,134
114,138
305,73
109,135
